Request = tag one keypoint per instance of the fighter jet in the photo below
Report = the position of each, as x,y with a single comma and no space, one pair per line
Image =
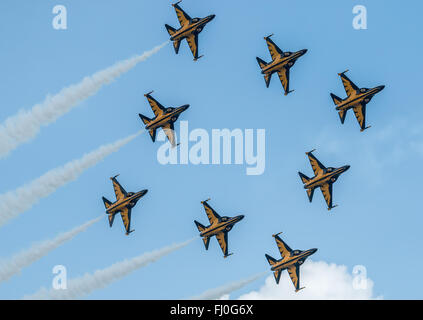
190,28
165,118
357,100
219,227
323,179
291,260
281,63
125,201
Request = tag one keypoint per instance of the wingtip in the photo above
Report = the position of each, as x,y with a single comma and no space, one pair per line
204,201
225,256
341,73
174,4
111,178
276,234
307,153
195,59
265,38
148,93
361,130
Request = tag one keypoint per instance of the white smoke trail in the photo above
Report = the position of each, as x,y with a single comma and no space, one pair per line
13,203
17,262
26,124
219,292
87,283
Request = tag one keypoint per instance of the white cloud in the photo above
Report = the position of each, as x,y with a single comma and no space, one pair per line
321,280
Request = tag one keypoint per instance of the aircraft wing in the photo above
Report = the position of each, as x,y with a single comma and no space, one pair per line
222,238
327,193
284,249
284,78
170,133
183,17
349,86
317,166
126,219
157,108
119,190
274,50
294,274
211,214
193,45
360,114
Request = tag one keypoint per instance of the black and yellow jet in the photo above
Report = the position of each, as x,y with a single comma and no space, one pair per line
357,99
125,201
291,261
323,179
281,63
164,118
219,227
190,28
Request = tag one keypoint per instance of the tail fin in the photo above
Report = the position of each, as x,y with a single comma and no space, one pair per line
199,226
337,100
303,177
170,30
261,62
107,203
271,260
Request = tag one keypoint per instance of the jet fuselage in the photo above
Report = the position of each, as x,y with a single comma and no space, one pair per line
360,96
195,26
286,60
226,224
297,256
128,202
170,116
330,176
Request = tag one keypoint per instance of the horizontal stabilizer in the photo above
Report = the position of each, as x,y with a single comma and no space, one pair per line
342,114
310,193
200,227
261,63
107,203
303,177
111,218
170,30
337,100
271,260
144,119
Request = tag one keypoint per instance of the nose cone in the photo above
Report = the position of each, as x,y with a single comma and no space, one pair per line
184,107
346,167
143,192
211,17
313,250
240,217
380,88
304,51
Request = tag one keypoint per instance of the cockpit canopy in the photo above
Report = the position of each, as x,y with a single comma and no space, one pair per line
362,90
225,219
287,54
330,169
195,19
169,109
130,194
296,252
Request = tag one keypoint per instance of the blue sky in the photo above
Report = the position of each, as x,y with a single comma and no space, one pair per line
378,221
